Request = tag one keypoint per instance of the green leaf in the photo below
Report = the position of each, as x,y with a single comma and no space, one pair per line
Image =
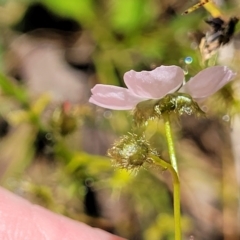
77,9
12,89
127,15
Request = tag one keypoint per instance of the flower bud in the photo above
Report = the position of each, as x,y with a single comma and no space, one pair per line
130,152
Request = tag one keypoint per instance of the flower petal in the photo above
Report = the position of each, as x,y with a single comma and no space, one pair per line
156,83
208,81
113,97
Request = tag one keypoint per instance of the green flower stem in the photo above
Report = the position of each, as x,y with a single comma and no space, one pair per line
176,194
177,209
171,148
176,183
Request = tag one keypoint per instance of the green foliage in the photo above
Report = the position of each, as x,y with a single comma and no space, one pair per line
13,90
125,34
79,10
137,14
163,227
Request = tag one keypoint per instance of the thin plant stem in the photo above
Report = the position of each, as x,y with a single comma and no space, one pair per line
177,209
176,194
173,168
171,148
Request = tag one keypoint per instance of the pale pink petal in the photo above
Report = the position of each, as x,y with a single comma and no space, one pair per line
113,97
208,81
156,83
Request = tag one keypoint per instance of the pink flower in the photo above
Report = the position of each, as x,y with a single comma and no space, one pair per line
157,83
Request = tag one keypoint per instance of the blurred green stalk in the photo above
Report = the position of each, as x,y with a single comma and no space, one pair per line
176,182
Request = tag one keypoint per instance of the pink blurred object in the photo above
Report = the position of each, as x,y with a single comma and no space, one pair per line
23,220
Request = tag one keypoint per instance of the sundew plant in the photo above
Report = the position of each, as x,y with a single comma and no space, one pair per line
157,94
160,94
124,114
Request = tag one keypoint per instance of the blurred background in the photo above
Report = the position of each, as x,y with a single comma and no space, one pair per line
53,143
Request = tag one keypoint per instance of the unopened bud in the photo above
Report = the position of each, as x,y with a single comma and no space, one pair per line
130,152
